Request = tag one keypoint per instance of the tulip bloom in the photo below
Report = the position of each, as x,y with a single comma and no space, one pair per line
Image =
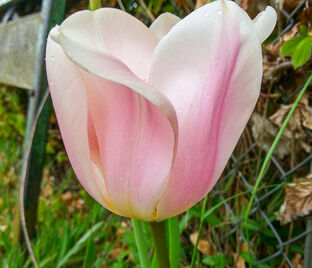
150,116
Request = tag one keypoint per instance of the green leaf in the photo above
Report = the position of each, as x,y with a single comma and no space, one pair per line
247,257
253,225
184,221
213,220
303,30
302,52
263,265
157,6
219,261
210,260
290,46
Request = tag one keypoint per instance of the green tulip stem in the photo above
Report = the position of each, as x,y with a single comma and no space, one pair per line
160,241
95,4
140,242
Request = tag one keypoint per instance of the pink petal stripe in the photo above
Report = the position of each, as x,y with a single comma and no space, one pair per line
204,86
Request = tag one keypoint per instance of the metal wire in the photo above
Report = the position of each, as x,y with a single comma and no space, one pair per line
279,249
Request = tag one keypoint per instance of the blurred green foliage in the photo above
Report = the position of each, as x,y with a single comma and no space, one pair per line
298,47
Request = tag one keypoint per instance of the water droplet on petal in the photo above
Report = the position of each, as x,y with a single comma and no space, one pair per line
206,14
51,83
219,12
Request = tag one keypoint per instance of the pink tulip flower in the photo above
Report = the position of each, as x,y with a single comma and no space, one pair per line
150,116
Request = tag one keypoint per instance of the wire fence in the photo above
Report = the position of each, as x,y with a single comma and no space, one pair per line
278,243
296,235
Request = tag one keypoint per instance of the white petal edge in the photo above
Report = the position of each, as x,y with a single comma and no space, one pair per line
265,22
163,24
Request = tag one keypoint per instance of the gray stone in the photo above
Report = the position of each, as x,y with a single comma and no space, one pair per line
17,51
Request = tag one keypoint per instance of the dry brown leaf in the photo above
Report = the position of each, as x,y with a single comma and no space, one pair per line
298,200
200,3
121,230
47,190
240,261
79,204
249,7
289,5
244,247
297,261
203,245
66,196
306,14
269,133
291,33
302,117
115,253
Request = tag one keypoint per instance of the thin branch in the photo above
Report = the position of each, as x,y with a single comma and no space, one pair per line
147,11
122,7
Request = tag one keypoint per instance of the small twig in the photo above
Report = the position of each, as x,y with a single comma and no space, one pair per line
122,7
147,11
23,181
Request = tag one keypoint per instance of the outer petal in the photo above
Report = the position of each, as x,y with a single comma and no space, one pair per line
116,33
131,129
69,100
212,76
265,23
163,24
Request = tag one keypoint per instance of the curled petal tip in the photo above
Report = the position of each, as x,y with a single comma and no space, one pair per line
55,34
265,22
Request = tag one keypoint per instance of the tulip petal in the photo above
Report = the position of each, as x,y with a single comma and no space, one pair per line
110,68
163,24
116,33
212,76
135,143
63,74
265,23
132,129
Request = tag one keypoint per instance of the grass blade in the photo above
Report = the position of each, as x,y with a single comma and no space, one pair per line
79,244
268,157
